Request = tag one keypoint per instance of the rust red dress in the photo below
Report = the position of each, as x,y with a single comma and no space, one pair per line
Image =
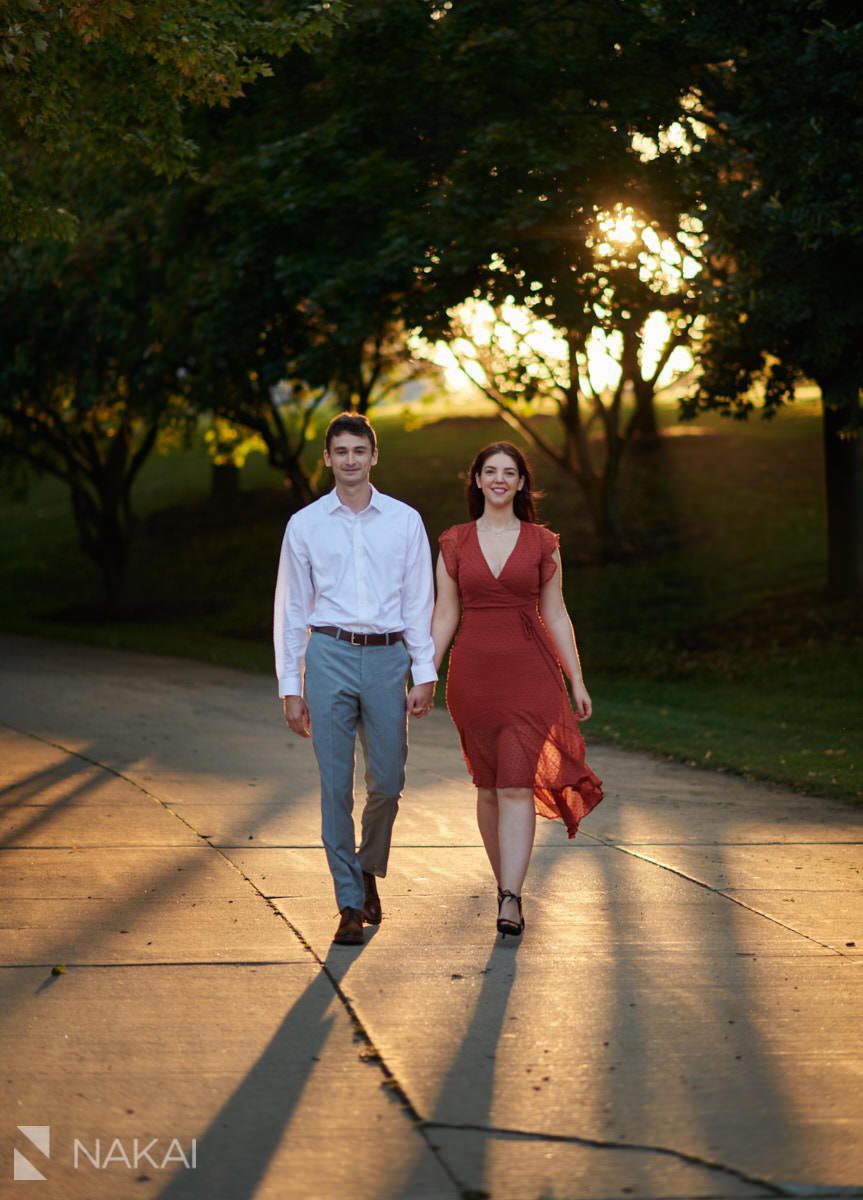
505,689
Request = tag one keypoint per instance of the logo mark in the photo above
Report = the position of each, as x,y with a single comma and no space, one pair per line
40,1137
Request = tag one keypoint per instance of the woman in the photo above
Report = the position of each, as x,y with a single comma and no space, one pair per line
505,690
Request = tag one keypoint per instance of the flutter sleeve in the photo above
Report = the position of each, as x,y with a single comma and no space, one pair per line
448,542
549,542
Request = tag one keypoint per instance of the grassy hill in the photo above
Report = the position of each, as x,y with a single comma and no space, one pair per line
710,641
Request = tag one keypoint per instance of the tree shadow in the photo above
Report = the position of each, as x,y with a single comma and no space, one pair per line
468,1094
158,887
23,794
236,1149
686,1066
27,787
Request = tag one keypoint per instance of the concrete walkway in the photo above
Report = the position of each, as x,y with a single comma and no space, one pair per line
682,1018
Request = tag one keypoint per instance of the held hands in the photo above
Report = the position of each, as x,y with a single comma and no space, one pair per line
420,699
297,716
581,700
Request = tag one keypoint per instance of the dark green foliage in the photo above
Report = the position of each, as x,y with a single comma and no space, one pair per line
778,174
85,383
424,154
283,268
532,141
111,82
537,104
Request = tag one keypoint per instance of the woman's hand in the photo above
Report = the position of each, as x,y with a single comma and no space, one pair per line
581,701
420,699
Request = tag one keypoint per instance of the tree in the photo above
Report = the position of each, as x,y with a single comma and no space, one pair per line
111,83
85,386
775,122
92,93
523,176
519,361
346,218
286,291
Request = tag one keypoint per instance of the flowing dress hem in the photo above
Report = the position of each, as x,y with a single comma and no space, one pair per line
570,803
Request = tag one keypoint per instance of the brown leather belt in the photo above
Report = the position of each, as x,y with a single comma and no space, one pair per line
359,639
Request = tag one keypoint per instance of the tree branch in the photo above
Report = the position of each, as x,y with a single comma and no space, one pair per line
516,421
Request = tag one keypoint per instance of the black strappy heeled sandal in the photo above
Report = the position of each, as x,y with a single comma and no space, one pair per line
504,925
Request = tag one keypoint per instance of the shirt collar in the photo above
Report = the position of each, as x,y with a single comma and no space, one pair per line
333,503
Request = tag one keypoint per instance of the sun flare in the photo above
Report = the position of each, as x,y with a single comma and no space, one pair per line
664,263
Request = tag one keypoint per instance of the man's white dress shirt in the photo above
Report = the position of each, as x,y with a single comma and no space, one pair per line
369,572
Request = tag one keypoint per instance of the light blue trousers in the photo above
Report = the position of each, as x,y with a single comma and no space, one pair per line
350,691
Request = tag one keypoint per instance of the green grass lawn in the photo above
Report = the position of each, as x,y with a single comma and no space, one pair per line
710,641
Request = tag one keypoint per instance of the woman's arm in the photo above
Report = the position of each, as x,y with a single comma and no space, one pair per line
552,607
446,612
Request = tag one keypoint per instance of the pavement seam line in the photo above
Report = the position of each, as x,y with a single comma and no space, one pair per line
146,966
774,1189
390,1082
373,1056
654,862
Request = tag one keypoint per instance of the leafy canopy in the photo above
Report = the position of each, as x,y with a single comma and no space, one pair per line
112,82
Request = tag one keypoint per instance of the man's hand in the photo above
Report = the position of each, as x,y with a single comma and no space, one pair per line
297,716
421,699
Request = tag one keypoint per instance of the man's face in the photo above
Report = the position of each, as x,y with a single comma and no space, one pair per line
350,458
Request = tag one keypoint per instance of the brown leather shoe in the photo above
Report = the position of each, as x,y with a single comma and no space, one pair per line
350,930
372,903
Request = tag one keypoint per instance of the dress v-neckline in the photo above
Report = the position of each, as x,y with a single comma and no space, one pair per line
508,557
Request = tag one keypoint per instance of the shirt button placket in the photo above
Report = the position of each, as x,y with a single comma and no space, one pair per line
360,568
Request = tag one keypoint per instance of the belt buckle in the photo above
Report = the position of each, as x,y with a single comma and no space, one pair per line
354,636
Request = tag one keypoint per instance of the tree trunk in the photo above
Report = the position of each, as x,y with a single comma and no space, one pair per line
112,549
104,531
113,582
224,486
284,451
843,475
645,430
613,542
298,480
104,536
601,488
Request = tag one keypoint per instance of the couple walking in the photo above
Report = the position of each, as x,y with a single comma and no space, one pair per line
355,612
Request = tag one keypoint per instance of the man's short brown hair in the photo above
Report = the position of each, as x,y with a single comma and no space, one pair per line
351,422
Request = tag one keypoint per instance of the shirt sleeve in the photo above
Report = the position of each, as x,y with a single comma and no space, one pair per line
291,611
418,601
448,541
549,542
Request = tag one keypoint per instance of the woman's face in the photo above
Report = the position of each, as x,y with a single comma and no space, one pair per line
499,480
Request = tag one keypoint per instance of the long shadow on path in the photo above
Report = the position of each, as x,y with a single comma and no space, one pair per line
468,1094
238,1147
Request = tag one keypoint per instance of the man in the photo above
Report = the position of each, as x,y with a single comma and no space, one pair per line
353,607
